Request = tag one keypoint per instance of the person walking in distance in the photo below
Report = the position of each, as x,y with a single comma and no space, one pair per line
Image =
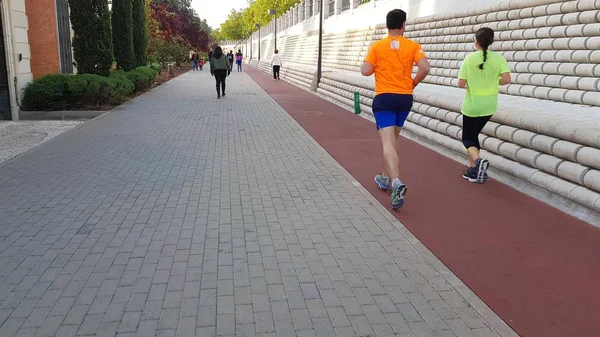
391,60
276,64
230,58
195,60
239,57
220,68
481,73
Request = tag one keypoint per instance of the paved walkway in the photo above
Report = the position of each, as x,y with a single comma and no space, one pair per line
181,215
532,264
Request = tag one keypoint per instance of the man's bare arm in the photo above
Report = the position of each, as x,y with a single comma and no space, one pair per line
424,69
367,69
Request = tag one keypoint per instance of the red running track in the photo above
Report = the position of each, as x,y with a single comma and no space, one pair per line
536,267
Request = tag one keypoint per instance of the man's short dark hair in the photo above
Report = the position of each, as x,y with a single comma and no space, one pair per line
395,19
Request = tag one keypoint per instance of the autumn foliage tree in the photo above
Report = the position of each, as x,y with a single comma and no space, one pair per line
174,26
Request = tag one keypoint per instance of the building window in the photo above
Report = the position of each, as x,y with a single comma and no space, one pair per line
65,49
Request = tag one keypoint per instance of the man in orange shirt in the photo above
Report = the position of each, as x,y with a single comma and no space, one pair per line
391,60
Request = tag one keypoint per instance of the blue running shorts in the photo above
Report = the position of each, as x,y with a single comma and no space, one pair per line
391,109
385,119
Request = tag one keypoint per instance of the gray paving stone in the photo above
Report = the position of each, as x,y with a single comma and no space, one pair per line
244,314
161,218
148,328
361,325
186,327
207,316
284,328
90,324
50,326
264,322
67,331
226,324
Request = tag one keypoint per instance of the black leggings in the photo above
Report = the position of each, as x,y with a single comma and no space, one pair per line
276,72
220,76
472,127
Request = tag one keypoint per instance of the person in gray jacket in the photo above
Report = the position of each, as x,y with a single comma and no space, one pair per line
220,68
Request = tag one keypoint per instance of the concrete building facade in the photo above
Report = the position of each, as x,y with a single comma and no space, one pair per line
15,57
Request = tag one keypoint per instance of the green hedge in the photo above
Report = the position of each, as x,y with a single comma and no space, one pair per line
64,92
142,77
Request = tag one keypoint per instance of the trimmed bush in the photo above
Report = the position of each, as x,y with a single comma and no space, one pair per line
142,77
64,92
46,93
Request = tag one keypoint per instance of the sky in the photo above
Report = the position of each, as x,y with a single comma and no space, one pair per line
215,12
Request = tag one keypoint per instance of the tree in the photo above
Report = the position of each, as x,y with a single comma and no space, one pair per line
140,33
233,28
205,27
174,28
92,43
175,50
122,24
180,22
216,34
238,23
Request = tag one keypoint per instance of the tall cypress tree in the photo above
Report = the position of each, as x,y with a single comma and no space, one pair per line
92,41
140,34
122,29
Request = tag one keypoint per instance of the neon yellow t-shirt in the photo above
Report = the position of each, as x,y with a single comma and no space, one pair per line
482,85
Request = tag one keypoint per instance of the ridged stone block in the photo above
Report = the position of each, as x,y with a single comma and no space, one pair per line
527,156
543,143
523,137
509,150
584,196
492,144
561,187
572,172
548,163
505,132
542,179
589,156
566,150
592,180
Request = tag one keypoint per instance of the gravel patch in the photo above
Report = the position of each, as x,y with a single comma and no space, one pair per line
18,137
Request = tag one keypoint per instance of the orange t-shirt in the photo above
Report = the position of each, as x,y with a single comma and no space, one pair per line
393,59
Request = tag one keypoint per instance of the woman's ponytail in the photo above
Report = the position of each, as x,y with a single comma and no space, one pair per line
484,58
485,38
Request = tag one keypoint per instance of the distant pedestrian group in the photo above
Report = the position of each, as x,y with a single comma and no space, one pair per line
197,62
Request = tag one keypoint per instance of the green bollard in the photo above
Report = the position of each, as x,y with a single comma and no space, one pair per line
356,103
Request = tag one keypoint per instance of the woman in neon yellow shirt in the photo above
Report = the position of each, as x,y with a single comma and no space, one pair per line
482,73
